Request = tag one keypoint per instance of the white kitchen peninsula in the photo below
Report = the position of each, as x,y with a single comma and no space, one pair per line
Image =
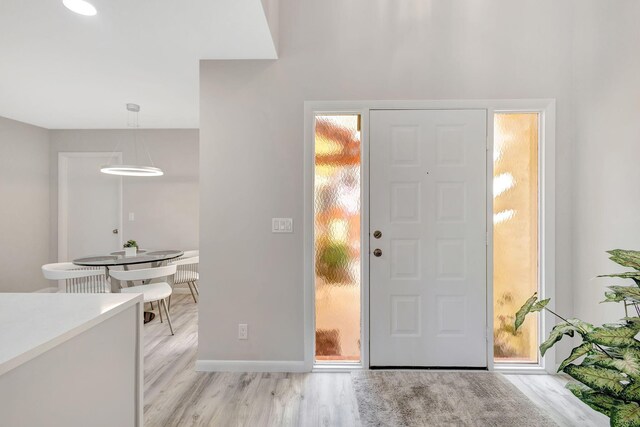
71,360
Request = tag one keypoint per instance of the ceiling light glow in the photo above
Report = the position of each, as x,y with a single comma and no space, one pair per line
80,7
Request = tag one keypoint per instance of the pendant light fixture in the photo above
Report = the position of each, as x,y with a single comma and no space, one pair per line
135,169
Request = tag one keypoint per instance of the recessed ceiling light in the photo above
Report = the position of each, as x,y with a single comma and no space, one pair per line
80,7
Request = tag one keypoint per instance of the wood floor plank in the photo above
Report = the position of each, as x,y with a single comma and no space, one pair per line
550,394
176,395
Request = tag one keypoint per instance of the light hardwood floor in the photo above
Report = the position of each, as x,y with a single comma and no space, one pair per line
176,395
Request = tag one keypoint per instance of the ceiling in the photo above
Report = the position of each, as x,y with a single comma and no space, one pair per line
60,70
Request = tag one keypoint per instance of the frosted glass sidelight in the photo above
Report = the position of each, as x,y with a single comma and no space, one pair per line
515,234
337,237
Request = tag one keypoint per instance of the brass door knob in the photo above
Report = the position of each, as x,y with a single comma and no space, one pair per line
377,252
377,234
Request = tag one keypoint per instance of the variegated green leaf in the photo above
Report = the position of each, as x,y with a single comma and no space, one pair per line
611,296
632,322
634,275
628,362
581,327
599,379
565,328
625,258
539,305
614,325
613,337
597,401
631,392
524,310
626,415
592,359
630,293
556,335
597,355
624,275
575,354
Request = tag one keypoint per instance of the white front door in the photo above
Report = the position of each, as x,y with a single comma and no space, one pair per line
89,206
428,266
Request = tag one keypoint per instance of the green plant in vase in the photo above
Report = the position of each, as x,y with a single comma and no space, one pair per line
130,244
607,362
130,248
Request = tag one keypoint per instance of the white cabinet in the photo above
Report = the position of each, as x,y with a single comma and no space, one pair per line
71,360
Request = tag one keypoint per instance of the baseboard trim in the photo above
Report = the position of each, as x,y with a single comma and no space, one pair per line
338,367
520,370
49,290
250,366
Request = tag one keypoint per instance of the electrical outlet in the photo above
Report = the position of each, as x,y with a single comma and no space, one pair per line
243,331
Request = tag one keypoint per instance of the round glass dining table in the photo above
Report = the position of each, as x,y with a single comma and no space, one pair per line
118,259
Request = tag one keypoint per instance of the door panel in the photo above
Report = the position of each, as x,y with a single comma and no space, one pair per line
90,207
428,198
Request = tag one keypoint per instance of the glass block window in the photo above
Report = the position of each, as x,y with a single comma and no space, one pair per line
337,237
515,234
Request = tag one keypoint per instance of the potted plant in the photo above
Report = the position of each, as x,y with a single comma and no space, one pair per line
130,248
608,373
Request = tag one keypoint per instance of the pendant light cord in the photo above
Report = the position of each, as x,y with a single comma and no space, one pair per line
144,145
135,141
113,153
136,130
133,108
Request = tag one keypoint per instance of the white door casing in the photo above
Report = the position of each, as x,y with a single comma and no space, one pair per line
428,291
89,205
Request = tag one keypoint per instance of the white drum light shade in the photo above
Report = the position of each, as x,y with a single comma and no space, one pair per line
80,7
131,170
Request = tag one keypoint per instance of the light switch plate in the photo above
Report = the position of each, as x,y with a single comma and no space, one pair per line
282,225
132,216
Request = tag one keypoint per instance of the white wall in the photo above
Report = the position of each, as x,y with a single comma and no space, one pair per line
251,133
606,178
166,207
24,210
272,13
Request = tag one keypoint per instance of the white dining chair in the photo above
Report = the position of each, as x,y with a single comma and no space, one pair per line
77,279
190,254
151,292
187,273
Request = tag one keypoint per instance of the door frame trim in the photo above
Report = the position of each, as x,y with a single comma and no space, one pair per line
63,196
546,108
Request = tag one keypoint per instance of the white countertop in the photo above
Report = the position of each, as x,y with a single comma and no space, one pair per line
33,323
